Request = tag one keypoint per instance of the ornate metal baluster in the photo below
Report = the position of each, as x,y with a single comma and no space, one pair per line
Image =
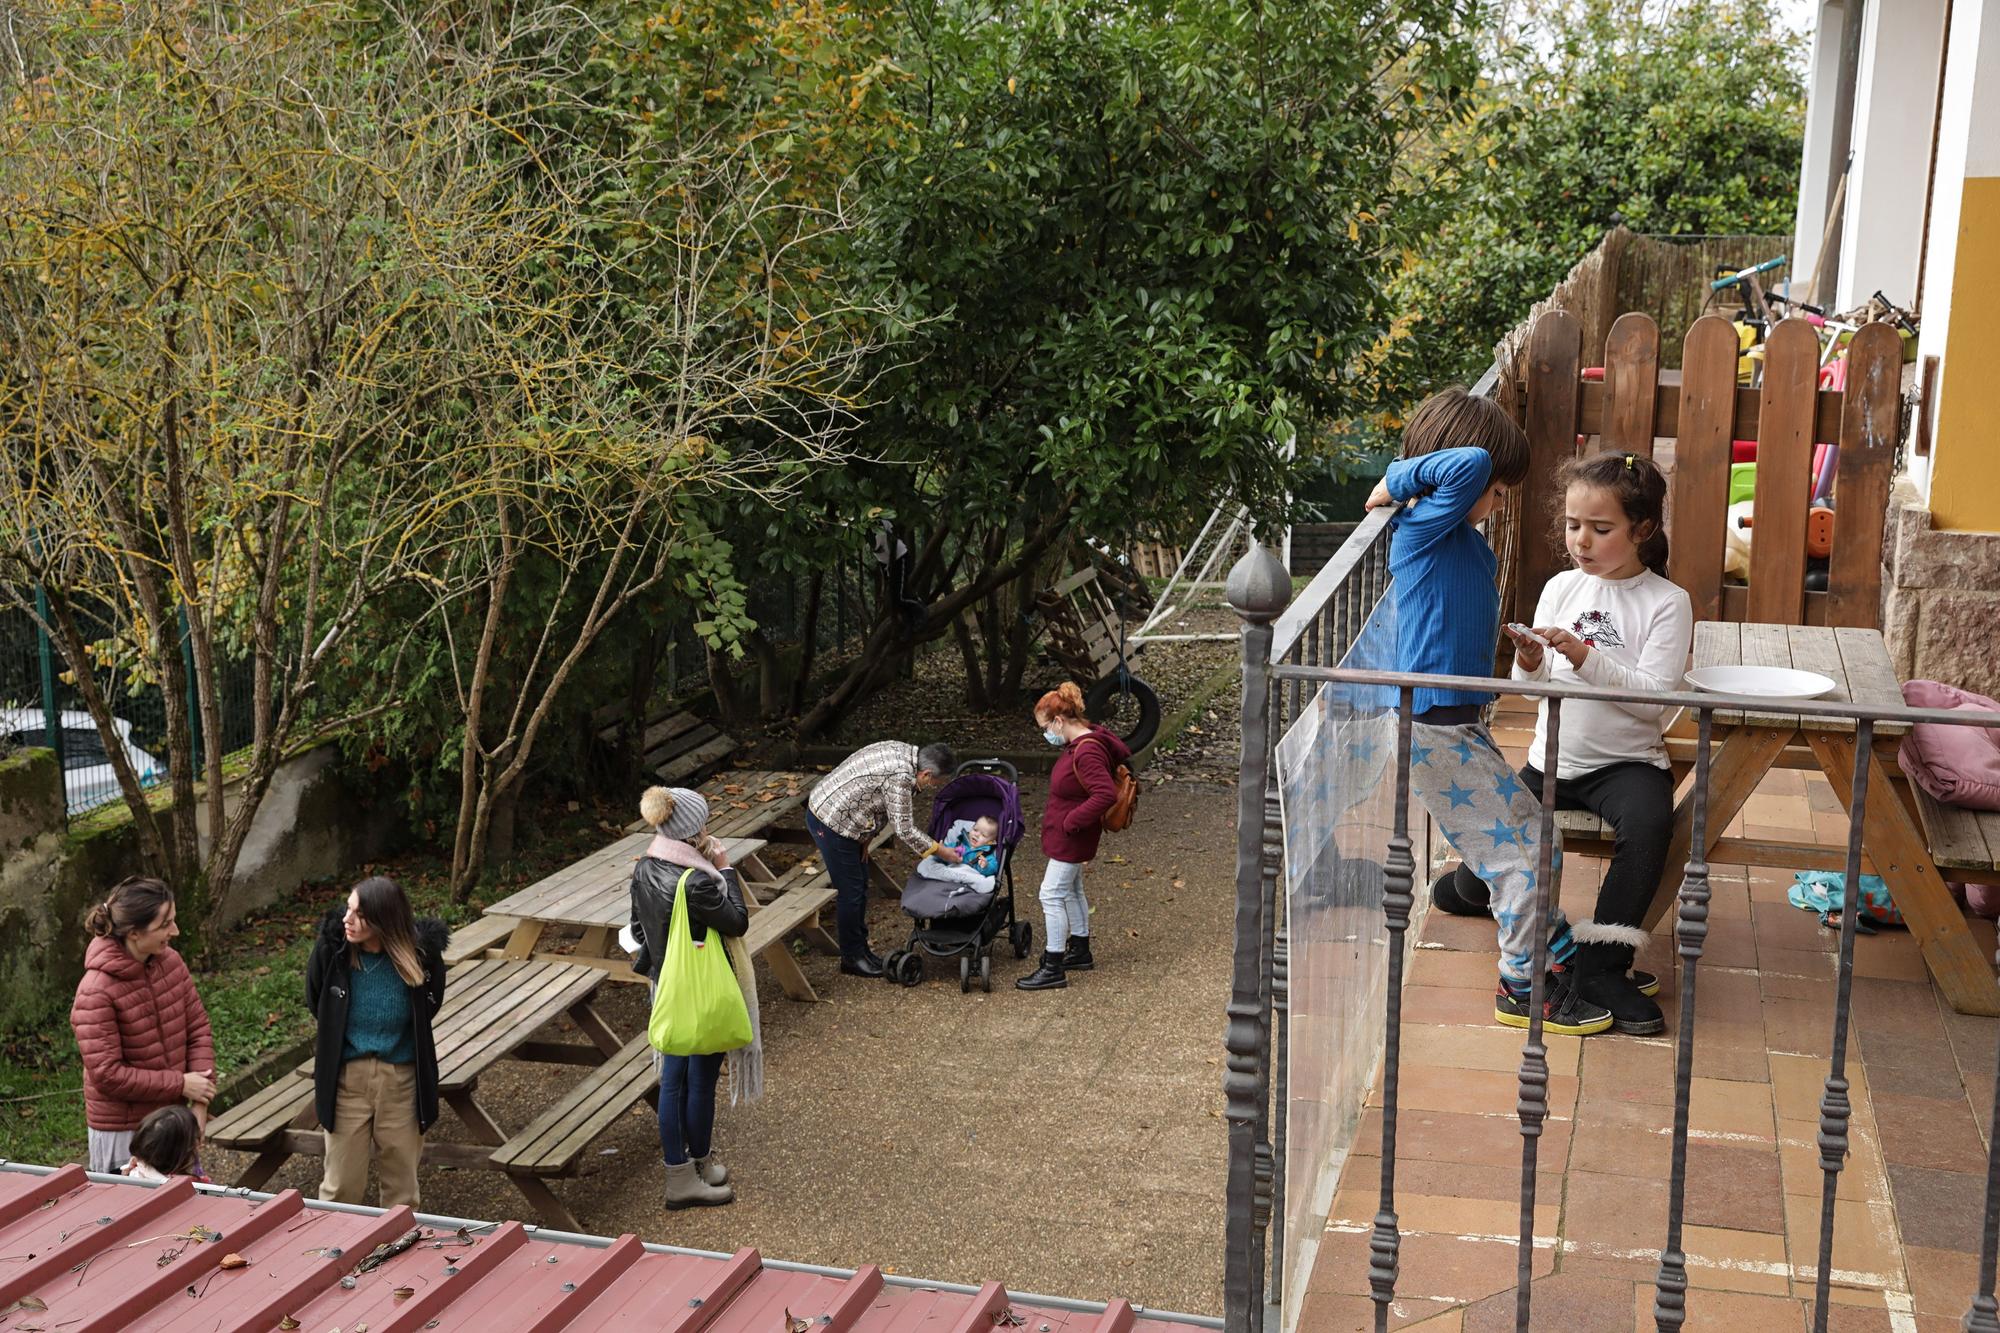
1258,590
1534,1099
1399,873
1834,1108
1264,1173
1670,1297
1983,1315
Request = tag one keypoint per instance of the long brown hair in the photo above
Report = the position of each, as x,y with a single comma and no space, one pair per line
386,908
1640,489
132,905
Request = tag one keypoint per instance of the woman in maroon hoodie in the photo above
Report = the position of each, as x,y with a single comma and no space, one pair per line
140,1027
1081,789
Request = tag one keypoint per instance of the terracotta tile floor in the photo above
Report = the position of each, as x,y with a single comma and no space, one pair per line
1908,1211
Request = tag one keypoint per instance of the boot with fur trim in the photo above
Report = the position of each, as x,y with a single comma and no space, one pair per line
1604,954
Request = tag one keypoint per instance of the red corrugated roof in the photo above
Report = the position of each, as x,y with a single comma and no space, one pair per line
78,1255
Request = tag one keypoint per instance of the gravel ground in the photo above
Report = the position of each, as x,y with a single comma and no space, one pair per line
1065,1142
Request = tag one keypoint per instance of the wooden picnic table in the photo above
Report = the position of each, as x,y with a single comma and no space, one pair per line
595,894
747,803
1750,744
492,1010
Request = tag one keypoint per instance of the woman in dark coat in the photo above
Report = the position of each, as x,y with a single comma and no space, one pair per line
375,981
683,856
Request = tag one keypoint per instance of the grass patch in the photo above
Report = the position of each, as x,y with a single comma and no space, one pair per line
253,980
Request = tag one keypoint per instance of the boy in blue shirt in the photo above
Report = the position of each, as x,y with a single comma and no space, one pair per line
1460,455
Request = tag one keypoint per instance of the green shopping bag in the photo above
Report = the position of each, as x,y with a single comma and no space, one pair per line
698,1008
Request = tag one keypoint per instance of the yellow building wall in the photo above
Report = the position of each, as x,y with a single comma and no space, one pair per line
1965,476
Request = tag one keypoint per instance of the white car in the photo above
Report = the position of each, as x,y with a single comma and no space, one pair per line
88,778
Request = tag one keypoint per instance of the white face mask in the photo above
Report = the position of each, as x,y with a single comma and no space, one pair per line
1053,737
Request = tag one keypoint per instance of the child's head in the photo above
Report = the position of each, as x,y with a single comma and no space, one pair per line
1456,418
985,829
1614,514
168,1140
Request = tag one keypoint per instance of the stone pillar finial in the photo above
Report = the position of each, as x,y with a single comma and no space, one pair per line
1259,587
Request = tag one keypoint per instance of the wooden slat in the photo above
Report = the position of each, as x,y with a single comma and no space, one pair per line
1555,350
1768,646
1736,605
254,1121
1958,837
675,724
1871,676
515,1023
1784,470
1701,464
688,765
474,938
1870,419
1670,399
1814,648
780,918
1631,384
694,738
595,1103
1958,965
1582,824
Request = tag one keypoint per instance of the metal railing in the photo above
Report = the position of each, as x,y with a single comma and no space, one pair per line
1289,647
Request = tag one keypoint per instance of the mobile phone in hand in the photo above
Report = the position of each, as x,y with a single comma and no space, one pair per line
1528,633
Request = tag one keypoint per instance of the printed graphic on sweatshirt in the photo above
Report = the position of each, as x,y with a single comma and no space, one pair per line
1596,629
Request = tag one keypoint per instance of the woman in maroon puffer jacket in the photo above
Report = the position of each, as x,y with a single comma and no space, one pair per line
139,1025
1082,787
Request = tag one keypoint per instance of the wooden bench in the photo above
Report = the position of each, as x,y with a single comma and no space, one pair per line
474,938
770,923
260,1122
554,1141
676,747
1965,844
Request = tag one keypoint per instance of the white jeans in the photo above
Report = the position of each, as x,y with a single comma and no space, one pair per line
1065,911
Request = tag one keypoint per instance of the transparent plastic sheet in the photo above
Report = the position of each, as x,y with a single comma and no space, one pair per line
1336,780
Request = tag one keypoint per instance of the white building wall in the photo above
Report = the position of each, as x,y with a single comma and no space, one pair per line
1895,102
1961,151
1814,186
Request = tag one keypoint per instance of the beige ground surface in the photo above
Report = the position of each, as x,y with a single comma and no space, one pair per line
1066,1143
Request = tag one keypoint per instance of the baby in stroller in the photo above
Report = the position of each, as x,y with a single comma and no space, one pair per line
977,841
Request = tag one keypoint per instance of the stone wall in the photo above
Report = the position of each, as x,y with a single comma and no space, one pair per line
313,824
1942,618
40,940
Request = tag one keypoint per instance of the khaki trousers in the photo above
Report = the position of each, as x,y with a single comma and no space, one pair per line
374,1118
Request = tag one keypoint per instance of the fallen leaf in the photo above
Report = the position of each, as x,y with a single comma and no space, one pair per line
794,1324
403,1294
233,1261
288,1323
739,805
1133,933
768,797
1180,883
34,1303
733,788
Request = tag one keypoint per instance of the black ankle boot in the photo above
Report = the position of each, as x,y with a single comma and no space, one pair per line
1602,980
1076,958
1461,893
1049,976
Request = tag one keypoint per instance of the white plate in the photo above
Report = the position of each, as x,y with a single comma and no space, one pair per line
1761,682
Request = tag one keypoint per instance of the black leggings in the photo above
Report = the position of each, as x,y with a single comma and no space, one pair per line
1637,800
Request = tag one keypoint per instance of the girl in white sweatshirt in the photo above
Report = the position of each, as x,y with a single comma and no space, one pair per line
1614,620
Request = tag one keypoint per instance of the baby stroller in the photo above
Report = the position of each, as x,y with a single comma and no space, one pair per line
958,920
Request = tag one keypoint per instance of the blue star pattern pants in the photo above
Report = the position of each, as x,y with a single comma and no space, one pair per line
1494,823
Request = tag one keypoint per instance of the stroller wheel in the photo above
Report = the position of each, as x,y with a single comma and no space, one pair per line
1023,935
964,975
986,972
909,969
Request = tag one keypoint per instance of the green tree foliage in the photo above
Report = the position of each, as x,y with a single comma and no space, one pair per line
1602,112
1143,246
